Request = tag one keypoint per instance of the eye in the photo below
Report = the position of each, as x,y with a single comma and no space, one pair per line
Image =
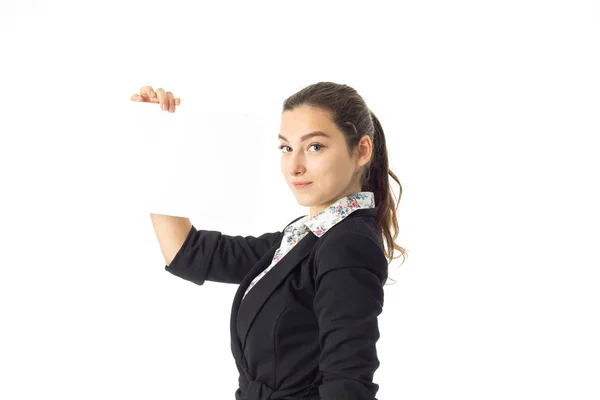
281,147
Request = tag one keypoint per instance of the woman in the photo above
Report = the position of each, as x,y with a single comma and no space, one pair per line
304,317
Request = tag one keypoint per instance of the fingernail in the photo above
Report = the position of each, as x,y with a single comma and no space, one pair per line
163,106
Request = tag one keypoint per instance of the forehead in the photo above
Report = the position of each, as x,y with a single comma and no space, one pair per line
305,119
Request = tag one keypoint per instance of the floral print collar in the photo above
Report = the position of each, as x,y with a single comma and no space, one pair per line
336,212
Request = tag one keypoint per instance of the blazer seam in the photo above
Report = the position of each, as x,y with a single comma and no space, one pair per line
274,343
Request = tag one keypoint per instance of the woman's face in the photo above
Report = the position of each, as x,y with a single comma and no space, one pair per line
322,160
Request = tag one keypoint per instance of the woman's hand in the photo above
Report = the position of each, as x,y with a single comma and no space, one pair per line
166,99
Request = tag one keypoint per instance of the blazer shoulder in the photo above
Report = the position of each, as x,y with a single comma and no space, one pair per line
351,243
351,226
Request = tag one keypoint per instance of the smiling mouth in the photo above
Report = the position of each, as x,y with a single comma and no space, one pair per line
299,186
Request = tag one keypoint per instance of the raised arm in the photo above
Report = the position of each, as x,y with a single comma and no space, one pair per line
204,255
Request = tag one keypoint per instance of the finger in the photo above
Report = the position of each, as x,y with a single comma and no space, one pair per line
162,98
177,101
136,97
147,93
171,102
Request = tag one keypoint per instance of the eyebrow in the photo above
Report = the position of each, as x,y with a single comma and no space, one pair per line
307,136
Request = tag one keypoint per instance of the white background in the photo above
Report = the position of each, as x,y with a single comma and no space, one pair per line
490,111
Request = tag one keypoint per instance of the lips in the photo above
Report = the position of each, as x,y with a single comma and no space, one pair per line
301,184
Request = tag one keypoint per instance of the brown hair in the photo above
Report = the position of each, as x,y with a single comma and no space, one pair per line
348,110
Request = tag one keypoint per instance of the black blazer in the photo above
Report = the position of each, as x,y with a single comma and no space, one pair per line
308,328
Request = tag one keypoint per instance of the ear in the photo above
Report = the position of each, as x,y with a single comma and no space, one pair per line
364,150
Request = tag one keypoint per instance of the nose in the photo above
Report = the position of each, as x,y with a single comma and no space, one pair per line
297,171
296,167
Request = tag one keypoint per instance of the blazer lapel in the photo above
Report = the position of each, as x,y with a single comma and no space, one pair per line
258,295
264,262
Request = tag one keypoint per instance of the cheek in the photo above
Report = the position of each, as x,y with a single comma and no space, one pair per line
333,168
282,165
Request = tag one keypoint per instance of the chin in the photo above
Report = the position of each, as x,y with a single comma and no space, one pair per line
304,200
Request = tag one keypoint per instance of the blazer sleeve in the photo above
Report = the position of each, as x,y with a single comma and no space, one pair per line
212,256
351,270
